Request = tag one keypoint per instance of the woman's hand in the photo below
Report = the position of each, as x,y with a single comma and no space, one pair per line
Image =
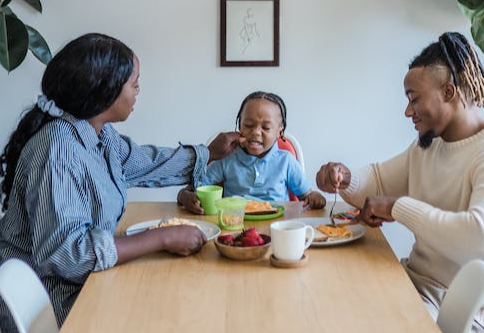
224,144
182,239
314,200
189,200
333,176
377,209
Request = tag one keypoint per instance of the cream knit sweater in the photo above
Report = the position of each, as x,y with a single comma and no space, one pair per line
441,192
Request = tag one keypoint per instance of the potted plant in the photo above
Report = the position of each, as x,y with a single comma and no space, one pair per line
474,10
17,38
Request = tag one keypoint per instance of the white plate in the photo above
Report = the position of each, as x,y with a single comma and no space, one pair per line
358,231
209,229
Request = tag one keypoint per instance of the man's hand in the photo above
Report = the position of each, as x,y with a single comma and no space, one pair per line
333,176
377,209
224,144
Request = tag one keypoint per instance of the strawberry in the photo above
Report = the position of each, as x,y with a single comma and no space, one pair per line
226,239
251,233
246,242
246,238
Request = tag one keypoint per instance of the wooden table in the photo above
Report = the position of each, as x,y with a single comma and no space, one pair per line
358,287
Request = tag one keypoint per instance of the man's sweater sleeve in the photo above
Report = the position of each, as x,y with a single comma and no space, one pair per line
388,178
457,235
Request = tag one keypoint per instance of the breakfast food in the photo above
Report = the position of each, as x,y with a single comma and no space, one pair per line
335,232
259,208
323,238
232,220
246,238
349,215
172,222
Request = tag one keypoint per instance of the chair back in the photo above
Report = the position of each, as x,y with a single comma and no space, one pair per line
294,147
463,299
26,298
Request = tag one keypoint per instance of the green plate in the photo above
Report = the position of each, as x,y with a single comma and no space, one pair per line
280,212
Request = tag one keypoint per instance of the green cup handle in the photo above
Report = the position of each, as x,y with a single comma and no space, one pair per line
220,217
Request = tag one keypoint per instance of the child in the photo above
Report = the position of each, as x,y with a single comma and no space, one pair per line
259,168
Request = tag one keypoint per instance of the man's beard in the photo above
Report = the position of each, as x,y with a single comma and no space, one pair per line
425,140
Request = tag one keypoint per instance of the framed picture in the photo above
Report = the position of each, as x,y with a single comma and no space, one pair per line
249,31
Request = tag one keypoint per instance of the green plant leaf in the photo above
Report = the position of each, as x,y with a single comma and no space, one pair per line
14,41
477,28
472,4
4,3
38,46
35,4
467,12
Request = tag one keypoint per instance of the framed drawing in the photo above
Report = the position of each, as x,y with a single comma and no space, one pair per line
249,31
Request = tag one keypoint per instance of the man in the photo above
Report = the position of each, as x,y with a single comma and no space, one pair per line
436,187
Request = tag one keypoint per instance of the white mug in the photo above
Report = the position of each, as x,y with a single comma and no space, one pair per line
288,239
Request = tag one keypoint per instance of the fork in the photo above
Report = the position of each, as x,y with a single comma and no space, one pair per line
333,223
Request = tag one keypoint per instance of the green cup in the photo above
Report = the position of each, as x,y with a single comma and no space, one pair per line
207,196
231,213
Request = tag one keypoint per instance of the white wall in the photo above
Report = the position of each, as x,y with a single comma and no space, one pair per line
341,70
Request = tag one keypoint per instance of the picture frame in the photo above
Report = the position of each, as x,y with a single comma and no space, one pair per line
249,33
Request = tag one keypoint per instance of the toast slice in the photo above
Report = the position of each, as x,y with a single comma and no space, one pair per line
259,208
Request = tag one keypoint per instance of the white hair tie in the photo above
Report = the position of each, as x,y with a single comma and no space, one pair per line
48,106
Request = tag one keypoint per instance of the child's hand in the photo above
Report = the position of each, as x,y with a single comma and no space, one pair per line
189,200
314,200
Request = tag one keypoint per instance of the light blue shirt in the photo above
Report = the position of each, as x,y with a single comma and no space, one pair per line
267,178
69,194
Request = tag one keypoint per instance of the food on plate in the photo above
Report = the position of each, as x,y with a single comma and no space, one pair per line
335,232
323,238
246,238
259,208
172,222
349,215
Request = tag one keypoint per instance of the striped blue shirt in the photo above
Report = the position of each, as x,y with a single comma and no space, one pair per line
267,178
69,194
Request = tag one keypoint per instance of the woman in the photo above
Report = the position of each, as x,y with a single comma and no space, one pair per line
66,171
